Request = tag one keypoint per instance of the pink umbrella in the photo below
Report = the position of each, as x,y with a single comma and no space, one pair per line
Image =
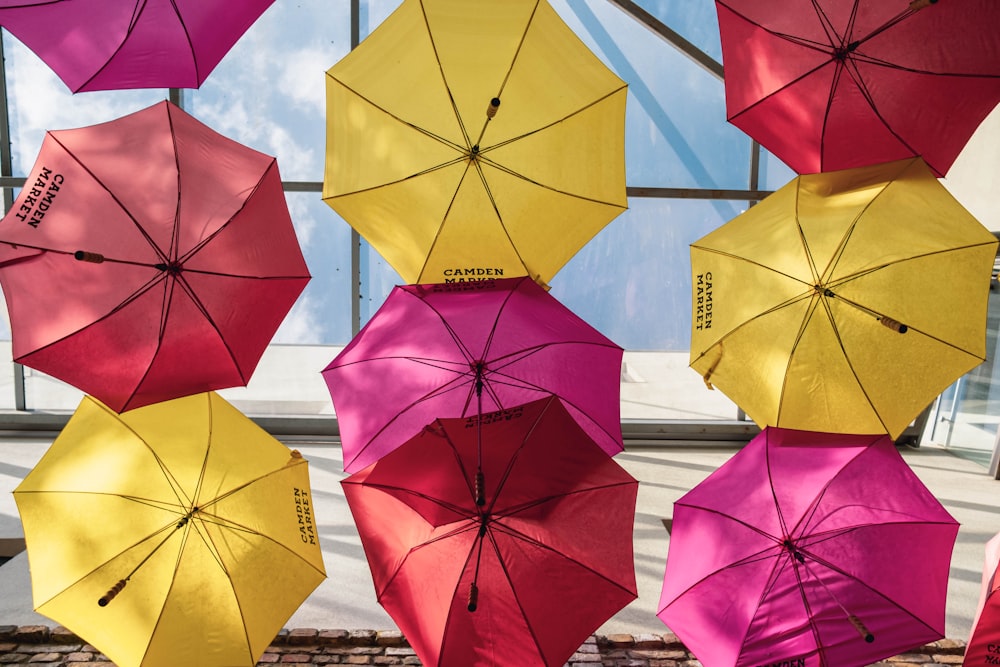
834,84
505,546
458,349
148,258
118,44
791,552
984,642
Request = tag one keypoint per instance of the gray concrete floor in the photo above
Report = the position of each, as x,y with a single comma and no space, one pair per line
346,599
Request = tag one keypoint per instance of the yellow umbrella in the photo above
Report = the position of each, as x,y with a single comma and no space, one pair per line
844,302
470,139
175,534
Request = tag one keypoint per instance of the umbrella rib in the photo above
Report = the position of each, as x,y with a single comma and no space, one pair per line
137,11
511,172
462,512
461,149
447,211
114,198
513,510
484,158
444,79
458,530
244,201
129,299
513,590
833,568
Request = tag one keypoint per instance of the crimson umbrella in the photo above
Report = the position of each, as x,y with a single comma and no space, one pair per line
148,258
458,349
101,45
499,539
792,551
984,642
835,84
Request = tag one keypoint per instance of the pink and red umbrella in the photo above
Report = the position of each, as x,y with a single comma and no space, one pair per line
122,44
984,642
790,553
834,84
499,539
148,258
458,349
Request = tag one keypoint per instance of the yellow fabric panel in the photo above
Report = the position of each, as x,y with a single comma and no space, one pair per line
476,50
765,234
821,391
401,221
728,291
584,154
396,69
555,66
122,629
368,148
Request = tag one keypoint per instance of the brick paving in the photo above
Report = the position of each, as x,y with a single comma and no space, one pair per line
42,646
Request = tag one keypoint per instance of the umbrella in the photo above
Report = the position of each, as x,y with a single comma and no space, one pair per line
176,534
100,45
790,299
458,349
790,553
832,84
471,138
984,642
499,539
148,258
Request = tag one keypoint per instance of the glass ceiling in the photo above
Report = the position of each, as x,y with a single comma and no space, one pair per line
688,171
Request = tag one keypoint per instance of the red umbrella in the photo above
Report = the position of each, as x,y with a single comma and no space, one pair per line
791,552
502,539
102,45
984,642
834,84
458,349
148,258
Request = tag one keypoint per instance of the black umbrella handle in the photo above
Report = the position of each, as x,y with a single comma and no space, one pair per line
112,593
473,597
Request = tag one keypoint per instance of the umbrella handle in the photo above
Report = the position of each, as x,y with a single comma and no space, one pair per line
887,321
473,597
860,627
92,257
480,488
112,592
491,110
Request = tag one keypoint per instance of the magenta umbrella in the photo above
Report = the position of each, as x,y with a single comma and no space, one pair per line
122,44
507,545
459,349
792,552
835,84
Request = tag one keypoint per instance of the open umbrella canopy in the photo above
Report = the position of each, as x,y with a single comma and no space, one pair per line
475,138
499,539
790,553
101,45
148,258
833,84
458,349
176,534
844,302
984,642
